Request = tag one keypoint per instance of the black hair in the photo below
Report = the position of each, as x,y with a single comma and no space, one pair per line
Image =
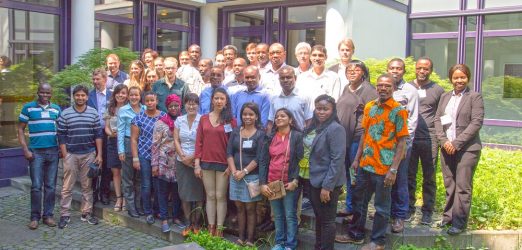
79,88
150,93
361,65
290,115
315,124
226,114
253,106
191,97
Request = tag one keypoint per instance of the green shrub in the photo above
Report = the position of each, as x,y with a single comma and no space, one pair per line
205,240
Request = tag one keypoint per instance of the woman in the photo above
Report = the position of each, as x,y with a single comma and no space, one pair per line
282,151
131,180
148,56
136,75
118,100
151,76
163,162
251,53
190,187
327,170
359,78
141,144
159,66
244,148
211,157
5,63
458,120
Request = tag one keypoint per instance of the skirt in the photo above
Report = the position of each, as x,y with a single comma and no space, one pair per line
113,160
190,187
238,190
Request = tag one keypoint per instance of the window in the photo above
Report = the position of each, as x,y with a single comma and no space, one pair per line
443,53
430,5
432,25
114,24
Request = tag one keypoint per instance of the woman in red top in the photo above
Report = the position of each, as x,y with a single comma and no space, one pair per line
211,157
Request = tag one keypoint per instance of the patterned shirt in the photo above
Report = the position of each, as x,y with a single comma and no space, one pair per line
383,123
304,164
146,126
41,124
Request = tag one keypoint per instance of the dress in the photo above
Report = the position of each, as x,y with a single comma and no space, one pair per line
113,160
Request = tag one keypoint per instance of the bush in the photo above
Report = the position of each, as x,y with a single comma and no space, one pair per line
205,240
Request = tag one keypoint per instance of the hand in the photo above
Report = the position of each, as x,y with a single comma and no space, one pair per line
227,172
155,171
136,165
98,161
122,157
450,149
28,155
325,195
197,172
389,179
114,134
355,165
265,190
291,186
238,175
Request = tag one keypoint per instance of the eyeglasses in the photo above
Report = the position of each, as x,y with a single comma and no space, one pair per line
384,86
354,71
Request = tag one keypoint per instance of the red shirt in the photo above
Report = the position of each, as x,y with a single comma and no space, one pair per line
211,142
278,161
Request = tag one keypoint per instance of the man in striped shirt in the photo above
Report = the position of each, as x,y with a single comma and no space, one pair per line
42,153
80,138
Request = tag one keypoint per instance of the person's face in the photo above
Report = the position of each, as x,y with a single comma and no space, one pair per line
219,101
282,119
170,69
230,55
287,80
238,67
151,77
121,97
318,58
158,65
459,80
396,69
323,110
99,82
303,56
80,98
220,61
277,55
216,77
385,88
345,52
173,108
251,79
113,65
204,68
262,54
252,56
44,94
151,102
192,108
422,70
195,53
148,58
354,73
134,97
248,117
135,69
184,59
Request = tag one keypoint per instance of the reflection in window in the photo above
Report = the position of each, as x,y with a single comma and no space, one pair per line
501,135
120,8
53,3
443,53
503,21
431,25
311,36
247,18
306,14
170,42
110,35
172,16
242,41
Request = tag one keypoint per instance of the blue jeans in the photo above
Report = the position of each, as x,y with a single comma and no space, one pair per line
350,156
285,219
368,183
146,185
165,188
43,170
400,195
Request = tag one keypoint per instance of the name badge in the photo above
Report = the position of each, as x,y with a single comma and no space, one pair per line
445,119
46,114
422,93
247,144
228,128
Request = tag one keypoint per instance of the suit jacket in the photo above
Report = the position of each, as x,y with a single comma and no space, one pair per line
296,154
327,155
334,68
470,116
93,99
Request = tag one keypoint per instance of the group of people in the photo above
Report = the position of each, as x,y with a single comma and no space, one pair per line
199,133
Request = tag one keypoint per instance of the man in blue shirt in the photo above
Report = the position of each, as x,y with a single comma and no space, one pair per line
42,153
216,80
116,75
253,93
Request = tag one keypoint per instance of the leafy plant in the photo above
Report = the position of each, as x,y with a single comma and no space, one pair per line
209,242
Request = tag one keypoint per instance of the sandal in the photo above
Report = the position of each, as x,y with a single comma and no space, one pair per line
240,242
118,205
250,244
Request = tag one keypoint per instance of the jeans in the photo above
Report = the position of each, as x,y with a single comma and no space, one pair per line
43,170
368,183
425,150
325,218
400,196
165,188
130,181
350,156
146,185
285,219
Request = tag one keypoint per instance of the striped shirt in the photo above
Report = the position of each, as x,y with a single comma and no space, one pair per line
146,126
79,130
41,124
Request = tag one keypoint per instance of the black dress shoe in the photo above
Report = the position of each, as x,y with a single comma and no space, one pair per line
443,224
140,212
133,214
104,200
455,231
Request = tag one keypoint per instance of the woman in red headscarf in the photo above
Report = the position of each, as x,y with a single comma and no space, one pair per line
164,162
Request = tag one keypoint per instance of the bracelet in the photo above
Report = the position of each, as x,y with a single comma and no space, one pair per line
135,159
245,170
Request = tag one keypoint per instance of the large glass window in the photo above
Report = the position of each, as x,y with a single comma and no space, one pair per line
432,25
170,42
443,53
247,18
430,5
53,3
311,36
306,14
172,16
503,21
502,3
113,27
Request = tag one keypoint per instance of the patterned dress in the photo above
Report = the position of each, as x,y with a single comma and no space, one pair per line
164,152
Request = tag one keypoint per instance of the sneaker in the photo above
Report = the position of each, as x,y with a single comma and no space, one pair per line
345,238
426,219
278,247
179,223
165,228
64,221
410,216
306,204
89,219
150,219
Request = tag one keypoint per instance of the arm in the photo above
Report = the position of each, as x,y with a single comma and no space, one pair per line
390,177
355,163
121,135
99,154
199,149
265,110
336,141
108,130
135,132
157,134
439,128
61,132
473,127
21,138
413,112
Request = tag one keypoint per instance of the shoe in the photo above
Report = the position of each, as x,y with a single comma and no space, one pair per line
186,231
397,225
140,212
455,231
195,230
64,221
179,223
219,231
104,199
49,222
249,244
89,219
426,219
278,247
410,217
118,206
372,246
165,228
347,219
133,214
33,225
150,219
345,238
344,213
306,204
443,223
212,230
371,216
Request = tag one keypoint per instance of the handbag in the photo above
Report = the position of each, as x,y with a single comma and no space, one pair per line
278,187
253,186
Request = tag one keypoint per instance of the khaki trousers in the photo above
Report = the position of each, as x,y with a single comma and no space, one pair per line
76,165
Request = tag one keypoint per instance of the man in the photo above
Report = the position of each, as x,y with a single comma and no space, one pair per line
263,62
184,58
302,54
238,84
346,49
379,155
195,54
270,77
189,74
253,93
216,80
405,94
219,61
98,99
204,67
80,139
230,53
170,84
425,146
42,153
116,76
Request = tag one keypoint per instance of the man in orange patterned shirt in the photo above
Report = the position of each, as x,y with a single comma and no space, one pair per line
381,149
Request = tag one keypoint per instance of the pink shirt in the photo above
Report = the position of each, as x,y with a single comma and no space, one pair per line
279,158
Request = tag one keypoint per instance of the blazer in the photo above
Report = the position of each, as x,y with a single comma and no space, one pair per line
470,116
296,154
327,155
93,100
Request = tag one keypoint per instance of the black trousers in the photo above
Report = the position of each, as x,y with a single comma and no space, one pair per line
427,151
101,185
458,171
324,218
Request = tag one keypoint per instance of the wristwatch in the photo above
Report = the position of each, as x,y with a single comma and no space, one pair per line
393,170
245,170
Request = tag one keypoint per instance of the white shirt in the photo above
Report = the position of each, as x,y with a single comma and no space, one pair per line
270,80
451,110
191,77
326,83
